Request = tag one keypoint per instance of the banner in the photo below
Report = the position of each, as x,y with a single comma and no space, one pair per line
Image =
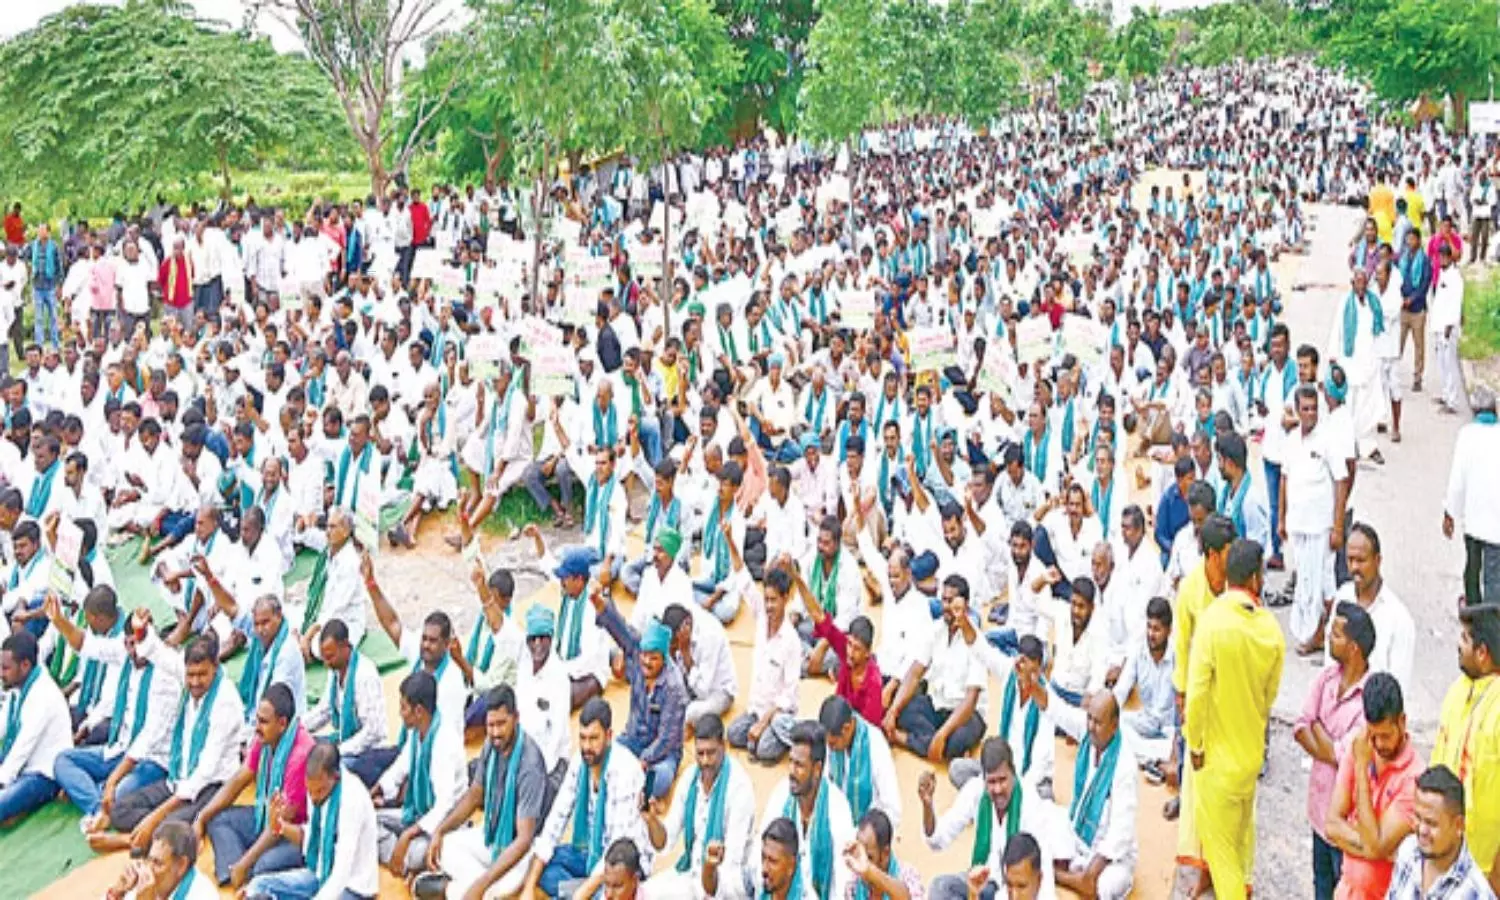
552,371
1085,338
1034,340
857,309
426,262
931,349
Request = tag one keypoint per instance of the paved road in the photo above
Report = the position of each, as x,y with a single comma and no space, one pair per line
1403,501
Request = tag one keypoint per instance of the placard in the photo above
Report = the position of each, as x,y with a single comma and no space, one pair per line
484,352
788,220
857,309
552,371
1085,338
997,374
65,553
448,283
367,514
426,262
579,305
537,333
1034,341
931,348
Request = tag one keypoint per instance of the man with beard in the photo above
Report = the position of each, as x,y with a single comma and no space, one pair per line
942,722
1371,811
819,813
1435,854
598,803
1469,733
1002,802
782,874
511,787
169,870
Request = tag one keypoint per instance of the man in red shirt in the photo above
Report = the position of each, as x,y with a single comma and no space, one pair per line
176,279
421,221
15,227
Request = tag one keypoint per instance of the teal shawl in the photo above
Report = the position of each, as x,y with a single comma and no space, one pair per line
1090,795
200,730
420,796
588,824
715,823
500,811
1351,318
850,770
820,850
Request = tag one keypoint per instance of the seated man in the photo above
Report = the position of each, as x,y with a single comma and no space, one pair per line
247,840
1148,672
700,648
765,727
580,641
859,761
496,646
658,696
664,513
1079,645
723,570
873,861
136,747
340,586
426,650
205,741
943,721
1093,841
999,803
273,657
26,588
542,690
352,706
716,806
170,869
101,646
181,572
817,809
511,786
598,803
338,842
1023,723
37,729
427,777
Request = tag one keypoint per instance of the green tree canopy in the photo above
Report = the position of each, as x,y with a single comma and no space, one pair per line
114,104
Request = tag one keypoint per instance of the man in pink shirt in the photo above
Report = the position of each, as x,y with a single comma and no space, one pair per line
1447,235
1375,793
103,298
245,838
1333,709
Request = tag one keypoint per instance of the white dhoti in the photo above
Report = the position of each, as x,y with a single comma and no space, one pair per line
1312,560
1118,876
1367,408
1390,379
434,481
138,513
465,859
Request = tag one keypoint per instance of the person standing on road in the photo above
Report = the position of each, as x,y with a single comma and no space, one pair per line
1446,323
1473,485
1234,671
1416,284
1314,495
1468,740
46,274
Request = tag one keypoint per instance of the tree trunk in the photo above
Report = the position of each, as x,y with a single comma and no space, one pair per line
665,294
1460,112
538,203
225,187
493,158
375,165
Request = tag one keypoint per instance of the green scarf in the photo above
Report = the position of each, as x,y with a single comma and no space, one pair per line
325,829
481,636
850,770
1008,704
715,547
1234,505
122,695
862,889
984,825
13,711
1068,425
815,417
570,625
200,730
1102,500
500,817
259,666
820,849
606,427
674,516
1351,318
420,797
316,588
588,830
41,490
270,773
92,685
1036,452
342,708
636,406
825,583
596,507
726,343
345,458
1090,795
715,823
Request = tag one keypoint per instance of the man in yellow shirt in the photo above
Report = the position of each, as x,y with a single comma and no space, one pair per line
1416,205
1383,208
1468,740
1198,589
1233,674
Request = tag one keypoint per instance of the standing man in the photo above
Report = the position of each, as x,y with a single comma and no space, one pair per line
1469,733
1473,485
1395,630
1446,326
1353,343
46,272
1416,284
1314,494
1371,811
1234,670
13,278
1332,710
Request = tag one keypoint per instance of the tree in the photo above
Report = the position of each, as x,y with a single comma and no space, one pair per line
989,79
842,92
772,36
361,47
1414,48
115,104
472,132
679,62
1054,35
1142,48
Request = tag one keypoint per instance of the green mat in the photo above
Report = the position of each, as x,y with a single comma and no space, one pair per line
46,845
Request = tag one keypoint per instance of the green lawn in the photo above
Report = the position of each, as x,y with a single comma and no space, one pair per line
1481,331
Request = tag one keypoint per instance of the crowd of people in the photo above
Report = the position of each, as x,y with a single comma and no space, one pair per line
971,427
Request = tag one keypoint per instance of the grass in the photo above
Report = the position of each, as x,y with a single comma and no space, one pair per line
1481,331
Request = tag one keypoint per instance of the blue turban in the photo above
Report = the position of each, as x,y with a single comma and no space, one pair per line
775,361
657,639
540,622
809,440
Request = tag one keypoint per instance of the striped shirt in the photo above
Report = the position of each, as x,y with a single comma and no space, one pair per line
1462,881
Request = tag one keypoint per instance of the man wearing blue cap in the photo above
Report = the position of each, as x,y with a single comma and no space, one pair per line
542,692
658,696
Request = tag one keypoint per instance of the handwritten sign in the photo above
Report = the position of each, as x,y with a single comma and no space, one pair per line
857,309
426,262
1034,341
65,554
998,373
367,514
931,348
1085,338
537,333
552,371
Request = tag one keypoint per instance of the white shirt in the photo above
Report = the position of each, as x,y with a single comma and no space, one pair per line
356,862
1447,301
133,281
1395,633
369,708
542,703
44,731
1311,469
1079,664
220,759
1115,838
452,693
449,770
953,669
1035,821
1474,482
345,597
840,829
624,780
1074,552
739,820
